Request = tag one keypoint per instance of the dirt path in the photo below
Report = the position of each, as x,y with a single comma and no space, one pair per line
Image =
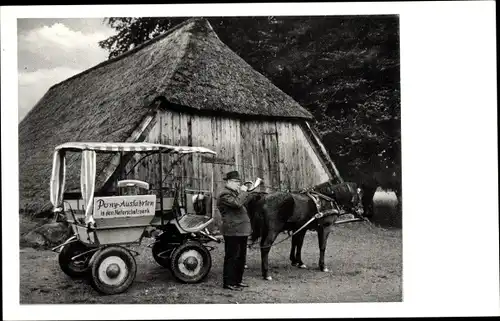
365,267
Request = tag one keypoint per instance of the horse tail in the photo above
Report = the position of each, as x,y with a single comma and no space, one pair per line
256,222
256,229
254,210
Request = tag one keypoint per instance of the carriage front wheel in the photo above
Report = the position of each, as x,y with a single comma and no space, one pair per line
190,262
78,267
113,270
161,253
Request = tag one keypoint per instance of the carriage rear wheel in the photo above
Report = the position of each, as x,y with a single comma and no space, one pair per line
191,262
113,270
78,267
162,254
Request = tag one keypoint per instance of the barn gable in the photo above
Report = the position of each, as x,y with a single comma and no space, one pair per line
188,67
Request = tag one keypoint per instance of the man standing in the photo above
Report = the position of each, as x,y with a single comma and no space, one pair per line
236,228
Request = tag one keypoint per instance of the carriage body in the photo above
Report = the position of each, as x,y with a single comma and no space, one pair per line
107,222
118,220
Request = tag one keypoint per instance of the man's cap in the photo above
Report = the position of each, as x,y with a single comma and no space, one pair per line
232,175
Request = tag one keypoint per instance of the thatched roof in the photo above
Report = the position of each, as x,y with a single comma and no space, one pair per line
188,65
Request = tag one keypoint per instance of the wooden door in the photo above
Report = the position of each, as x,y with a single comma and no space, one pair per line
270,146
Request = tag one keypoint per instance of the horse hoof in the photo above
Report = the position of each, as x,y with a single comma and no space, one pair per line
325,269
302,266
268,278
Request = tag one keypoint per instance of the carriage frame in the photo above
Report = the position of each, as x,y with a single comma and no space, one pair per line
107,224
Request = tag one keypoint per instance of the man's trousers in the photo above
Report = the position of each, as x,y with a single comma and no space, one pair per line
234,259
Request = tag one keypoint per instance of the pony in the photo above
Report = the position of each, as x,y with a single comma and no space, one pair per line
277,212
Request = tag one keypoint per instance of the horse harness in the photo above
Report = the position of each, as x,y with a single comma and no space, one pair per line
315,196
334,207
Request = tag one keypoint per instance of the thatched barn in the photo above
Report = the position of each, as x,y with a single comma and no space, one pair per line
184,87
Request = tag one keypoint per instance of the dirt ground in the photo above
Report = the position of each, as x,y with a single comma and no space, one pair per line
365,266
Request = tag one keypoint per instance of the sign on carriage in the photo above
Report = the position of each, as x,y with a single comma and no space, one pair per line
124,206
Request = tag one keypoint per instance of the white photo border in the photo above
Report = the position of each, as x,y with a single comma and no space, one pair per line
449,155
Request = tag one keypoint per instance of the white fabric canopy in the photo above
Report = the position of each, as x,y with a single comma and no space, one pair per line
87,182
88,166
58,179
132,147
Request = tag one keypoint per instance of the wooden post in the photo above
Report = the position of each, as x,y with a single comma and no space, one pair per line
160,179
323,151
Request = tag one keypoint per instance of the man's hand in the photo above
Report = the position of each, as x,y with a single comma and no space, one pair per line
255,185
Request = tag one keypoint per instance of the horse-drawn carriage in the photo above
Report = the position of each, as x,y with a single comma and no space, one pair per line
108,222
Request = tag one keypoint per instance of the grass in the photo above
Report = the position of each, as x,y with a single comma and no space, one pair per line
365,266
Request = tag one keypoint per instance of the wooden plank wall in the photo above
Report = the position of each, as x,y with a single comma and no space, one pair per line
278,152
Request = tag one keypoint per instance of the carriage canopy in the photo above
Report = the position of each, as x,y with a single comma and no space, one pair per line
131,147
88,165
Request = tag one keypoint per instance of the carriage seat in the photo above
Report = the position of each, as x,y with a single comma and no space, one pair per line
197,212
194,223
192,213
189,223
133,187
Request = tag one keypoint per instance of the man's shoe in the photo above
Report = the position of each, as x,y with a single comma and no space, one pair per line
232,287
242,285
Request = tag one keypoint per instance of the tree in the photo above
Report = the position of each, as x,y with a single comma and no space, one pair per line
344,70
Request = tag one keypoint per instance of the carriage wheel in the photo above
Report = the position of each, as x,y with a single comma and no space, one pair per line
164,260
74,268
113,270
191,262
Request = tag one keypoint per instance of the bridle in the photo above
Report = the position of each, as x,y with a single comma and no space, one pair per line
335,208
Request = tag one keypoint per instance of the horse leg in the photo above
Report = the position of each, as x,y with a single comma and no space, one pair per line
298,241
323,233
264,257
266,244
292,251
